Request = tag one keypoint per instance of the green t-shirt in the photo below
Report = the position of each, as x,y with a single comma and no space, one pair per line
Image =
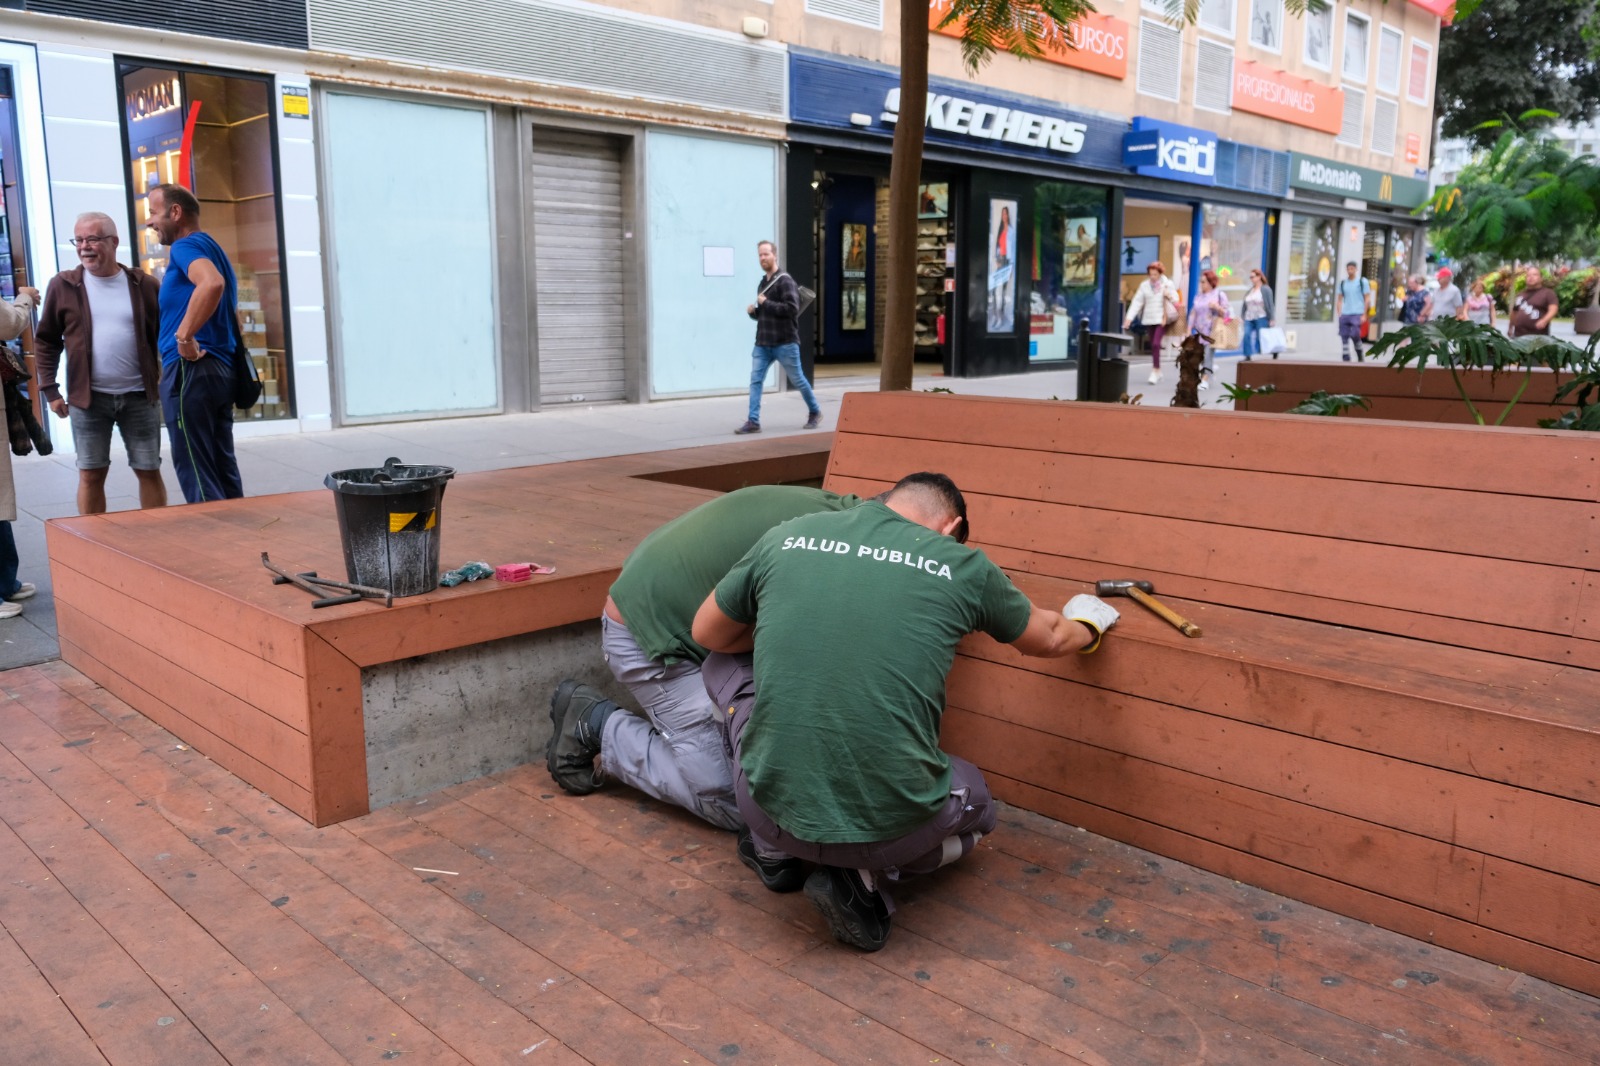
857,618
666,578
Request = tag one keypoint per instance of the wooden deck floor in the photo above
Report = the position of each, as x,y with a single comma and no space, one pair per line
156,909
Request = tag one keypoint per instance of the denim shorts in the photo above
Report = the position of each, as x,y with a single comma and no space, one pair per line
132,413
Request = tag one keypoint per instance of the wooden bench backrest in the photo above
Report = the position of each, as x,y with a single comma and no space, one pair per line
1480,538
1430,396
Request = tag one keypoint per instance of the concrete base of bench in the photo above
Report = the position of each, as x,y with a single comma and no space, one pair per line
1430,396
335,711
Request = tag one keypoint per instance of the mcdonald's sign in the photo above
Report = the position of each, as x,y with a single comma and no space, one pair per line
1357,183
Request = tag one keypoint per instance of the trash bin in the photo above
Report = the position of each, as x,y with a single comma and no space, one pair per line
1111,380
389,524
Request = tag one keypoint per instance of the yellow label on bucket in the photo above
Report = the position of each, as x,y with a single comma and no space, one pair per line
413,521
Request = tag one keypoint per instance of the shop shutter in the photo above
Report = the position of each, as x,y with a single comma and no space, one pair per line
580,297
1213,77
277,22
1160,59
1355,110
861,12
1385,117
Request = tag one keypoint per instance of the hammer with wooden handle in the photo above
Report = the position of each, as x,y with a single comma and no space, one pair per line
1141,590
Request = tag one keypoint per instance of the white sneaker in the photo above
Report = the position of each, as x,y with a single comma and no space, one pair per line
1204,385
1155,377
25,592
9,609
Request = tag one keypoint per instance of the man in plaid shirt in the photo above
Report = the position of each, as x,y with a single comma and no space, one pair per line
775,312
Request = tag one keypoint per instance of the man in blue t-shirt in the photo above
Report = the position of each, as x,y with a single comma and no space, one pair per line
1355,297
199,303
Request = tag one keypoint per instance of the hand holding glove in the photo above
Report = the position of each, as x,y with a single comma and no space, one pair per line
1093,612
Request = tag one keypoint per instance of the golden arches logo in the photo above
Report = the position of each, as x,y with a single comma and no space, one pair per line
1386,188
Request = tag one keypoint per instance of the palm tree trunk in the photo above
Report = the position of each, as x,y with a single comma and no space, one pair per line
905,175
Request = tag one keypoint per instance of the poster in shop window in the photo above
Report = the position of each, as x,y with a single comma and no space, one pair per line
1081,248
1002,265
853,282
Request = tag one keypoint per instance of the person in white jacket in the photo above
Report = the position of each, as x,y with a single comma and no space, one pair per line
15,318
1154,305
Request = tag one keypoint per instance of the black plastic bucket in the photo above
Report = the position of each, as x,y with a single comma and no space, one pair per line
389,520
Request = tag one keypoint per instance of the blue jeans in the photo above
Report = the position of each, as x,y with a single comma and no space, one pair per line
788,356
1252,336
8,562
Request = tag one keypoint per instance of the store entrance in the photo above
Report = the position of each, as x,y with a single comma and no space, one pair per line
15,269
1154,231
849,230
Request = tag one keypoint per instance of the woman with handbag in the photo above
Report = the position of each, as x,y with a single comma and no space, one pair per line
1258,304
1210,310
1156,305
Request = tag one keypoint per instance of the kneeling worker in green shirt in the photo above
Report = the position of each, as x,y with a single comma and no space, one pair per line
853,619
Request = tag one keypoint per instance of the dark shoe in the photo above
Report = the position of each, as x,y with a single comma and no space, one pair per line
750,426
778,875
577,716
855,916
815,420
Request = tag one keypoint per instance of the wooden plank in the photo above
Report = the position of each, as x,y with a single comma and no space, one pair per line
261,683
1335,895
1377,379
1546,908
290,793
338,739
1521,825
1474,458
40,1029
1560,532
1410,868
245,728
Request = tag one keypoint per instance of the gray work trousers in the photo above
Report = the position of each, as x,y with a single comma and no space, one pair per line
677,751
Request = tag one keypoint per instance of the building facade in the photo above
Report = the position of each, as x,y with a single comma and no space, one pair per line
557,202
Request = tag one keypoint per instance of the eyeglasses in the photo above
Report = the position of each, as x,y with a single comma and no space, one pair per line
79,242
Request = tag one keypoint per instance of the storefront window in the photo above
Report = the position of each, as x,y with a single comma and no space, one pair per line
1233,241
1400,265
1313,269
1068,267
213,133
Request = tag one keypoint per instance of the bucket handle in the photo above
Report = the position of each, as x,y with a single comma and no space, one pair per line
386,475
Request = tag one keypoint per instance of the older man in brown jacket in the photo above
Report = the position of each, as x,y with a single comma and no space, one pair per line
106,317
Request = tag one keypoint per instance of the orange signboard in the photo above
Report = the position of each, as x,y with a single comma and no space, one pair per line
1278,94
1445,9
1413,148
1096,43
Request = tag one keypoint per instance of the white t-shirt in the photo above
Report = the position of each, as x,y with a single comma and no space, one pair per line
116,349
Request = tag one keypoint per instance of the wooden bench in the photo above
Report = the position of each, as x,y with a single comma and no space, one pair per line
1394,712
1406,395
338,710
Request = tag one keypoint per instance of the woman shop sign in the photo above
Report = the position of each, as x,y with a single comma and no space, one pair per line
1096,43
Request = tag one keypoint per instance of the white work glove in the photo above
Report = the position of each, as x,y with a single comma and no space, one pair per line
1093,612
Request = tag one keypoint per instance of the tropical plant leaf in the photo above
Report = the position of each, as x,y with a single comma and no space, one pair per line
1330,404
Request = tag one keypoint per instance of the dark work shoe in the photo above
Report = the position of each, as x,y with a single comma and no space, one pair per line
855,916
750,426
815,420
577,716
779,875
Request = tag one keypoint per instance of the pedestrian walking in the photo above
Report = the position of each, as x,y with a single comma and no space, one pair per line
1447,299
776,313
1418,306
1355,297
1210,307
199,324
1258,306
1480,305
15,318
106,318
1535,306
1155,305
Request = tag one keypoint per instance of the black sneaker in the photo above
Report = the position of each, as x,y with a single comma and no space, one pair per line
779,875
815,420
750,426
577,714
855,916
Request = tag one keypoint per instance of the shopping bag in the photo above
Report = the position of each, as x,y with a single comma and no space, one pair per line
1225,334
1366,326
1273,341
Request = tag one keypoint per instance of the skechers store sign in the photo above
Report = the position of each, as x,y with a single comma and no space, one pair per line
851,95
1177,153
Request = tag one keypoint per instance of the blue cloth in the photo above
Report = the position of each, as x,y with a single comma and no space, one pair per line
216,335
9,585
788,355
1353,296
197,400
1252,336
